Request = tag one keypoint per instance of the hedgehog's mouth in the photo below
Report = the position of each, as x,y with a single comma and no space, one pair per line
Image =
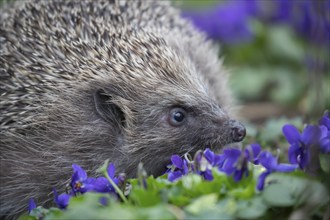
211,141
192,150
215,145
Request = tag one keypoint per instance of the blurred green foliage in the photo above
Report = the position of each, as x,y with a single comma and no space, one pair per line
274,68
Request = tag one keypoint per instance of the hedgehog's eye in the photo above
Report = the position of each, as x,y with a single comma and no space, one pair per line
177,116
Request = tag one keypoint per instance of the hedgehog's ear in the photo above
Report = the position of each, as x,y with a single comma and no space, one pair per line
108,110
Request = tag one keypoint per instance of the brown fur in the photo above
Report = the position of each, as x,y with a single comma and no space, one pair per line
139,56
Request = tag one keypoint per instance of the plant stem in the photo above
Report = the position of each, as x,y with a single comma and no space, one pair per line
119,192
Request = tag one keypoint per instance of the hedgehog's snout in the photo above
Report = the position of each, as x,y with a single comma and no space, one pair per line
238,130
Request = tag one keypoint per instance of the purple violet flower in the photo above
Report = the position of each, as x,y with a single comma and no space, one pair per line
206,174
252,152
180,168
102,184
62,200
79,181
32,205
235,161
228,21
299,150
231,156
205,162
325,130
307,17
214,159
104,201
313,22
267,160
325,120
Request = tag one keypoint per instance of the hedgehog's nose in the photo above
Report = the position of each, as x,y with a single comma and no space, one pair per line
237,131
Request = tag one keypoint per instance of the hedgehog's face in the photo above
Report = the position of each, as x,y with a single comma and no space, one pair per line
189,127
179,128
157,126
207,128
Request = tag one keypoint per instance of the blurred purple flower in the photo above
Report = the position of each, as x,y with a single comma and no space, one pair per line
102,184
325,120
275,10
206,174
234,164
62,200
104,201
235,161
205,161
324,123
79,181
227,22
313,22
214,159
299,150
307,17
268,161
180,168
324,140
252,152
32,205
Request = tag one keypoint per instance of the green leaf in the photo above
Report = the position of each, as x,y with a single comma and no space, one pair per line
27,217
144,197
325,162
179,200
282,44
251,209
286,190
193,4
191,181
245,85
281,194
227,206
157,212
288,86
202,203
41,213
153,194
243,192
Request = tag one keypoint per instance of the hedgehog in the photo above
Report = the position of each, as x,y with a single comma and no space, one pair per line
85,81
